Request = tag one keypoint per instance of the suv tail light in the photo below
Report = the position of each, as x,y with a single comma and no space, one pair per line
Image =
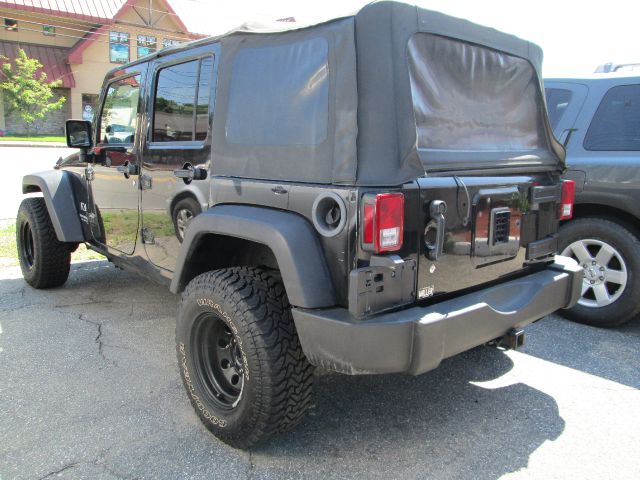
383,222
565,210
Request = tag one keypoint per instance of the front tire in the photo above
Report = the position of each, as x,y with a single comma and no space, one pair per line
240,357
610,257
44,260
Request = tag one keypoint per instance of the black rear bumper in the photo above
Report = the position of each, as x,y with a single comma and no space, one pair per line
415,340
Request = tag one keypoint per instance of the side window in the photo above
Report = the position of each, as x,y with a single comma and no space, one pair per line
558,100
181,104
616,123
119,116
279,96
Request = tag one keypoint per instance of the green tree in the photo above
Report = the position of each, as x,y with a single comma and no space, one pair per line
25,93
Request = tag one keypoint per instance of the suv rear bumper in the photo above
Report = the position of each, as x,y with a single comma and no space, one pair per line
415,340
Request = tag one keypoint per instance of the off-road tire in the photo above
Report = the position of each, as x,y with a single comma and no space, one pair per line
276,378
44,260
189,205
626,306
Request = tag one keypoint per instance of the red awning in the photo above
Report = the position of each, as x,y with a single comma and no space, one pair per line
53,60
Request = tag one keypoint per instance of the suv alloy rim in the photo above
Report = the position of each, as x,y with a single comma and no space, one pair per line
183,218
605,272
218,360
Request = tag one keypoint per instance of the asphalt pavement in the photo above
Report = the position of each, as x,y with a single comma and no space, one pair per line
89,388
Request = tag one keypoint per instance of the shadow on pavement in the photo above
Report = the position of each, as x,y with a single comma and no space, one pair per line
436,425
613,353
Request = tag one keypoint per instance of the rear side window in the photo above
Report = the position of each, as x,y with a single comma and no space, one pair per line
558,100
471,98
616,124
280,95
181,104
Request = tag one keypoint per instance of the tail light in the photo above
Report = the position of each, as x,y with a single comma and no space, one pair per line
382,222
565,210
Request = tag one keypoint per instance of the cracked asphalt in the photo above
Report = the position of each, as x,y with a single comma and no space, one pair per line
89,389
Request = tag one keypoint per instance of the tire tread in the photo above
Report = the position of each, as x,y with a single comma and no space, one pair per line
52,257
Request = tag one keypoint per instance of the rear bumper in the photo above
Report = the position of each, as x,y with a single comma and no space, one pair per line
415,340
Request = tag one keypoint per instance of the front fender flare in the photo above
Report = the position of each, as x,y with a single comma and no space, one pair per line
290,237
57,189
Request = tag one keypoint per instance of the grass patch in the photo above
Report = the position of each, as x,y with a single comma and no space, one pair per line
9,251
33,138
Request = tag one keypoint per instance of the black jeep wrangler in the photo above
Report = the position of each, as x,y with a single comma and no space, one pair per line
383,192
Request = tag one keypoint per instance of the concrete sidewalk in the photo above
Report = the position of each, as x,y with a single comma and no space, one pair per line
25,144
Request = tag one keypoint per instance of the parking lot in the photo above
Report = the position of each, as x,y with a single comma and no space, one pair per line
89,388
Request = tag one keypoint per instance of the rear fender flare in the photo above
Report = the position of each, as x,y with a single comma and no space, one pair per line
290,237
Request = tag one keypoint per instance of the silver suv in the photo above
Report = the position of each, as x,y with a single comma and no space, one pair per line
598,120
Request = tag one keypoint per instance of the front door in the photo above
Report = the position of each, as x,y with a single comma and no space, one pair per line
113,179
178,139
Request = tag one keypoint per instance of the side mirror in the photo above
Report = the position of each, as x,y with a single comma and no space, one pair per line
78,133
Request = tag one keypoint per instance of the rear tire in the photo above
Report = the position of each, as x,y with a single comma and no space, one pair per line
240,357
610,256
44,260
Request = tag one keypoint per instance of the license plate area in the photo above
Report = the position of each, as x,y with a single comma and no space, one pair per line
497,226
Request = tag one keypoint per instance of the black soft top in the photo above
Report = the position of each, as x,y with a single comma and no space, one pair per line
333,103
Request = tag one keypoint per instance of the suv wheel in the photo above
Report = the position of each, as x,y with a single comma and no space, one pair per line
183,213
44,260
239,355
610,257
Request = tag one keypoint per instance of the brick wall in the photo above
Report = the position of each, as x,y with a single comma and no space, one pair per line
53,124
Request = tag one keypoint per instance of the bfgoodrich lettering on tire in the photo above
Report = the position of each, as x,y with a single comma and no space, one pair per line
239,355
610,257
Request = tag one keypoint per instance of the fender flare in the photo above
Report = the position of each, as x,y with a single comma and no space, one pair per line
290,237
57,189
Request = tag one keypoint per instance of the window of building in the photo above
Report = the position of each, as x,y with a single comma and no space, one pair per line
89,104
167,42
118,47
10,24
49,30
146,45
616,124
557,103
119,116
179,89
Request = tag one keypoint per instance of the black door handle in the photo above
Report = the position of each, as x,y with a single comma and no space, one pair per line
437,209
279,190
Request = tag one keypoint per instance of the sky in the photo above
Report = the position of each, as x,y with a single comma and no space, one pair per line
576,36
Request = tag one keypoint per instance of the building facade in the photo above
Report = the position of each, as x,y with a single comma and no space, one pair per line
78,42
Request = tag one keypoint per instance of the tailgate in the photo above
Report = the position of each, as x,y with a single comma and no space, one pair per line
476,229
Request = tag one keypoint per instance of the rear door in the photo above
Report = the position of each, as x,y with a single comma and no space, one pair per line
492,165
178,139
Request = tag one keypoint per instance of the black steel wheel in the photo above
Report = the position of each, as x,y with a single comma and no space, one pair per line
44,260
218,359
26,245
240,358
